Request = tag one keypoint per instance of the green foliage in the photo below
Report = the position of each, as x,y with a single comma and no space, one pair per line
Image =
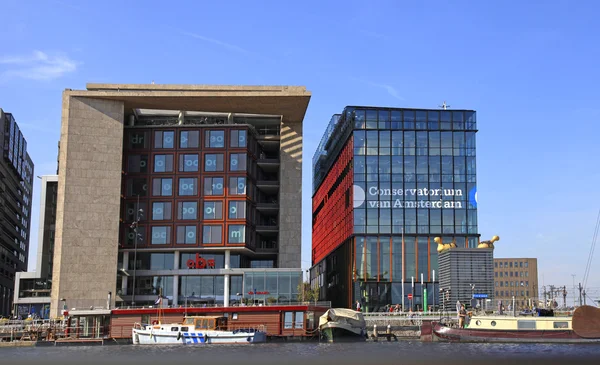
307,294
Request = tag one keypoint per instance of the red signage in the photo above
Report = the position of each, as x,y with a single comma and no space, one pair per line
258,292
200,263
409,296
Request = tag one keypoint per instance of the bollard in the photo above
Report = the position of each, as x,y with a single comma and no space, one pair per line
389,329
375,332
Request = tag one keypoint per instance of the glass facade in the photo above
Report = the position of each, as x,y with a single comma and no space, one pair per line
414,179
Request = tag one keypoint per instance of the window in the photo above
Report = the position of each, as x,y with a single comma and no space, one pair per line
164,139
212,234
238,138
213,210
188,163
237,209
137,163
288,320
562,325
186,235
526,325
189,139
161,235
526,264
237,186
161,211
163,163
162,187
188,186
237,233
299,322
213,162
526,274
187,210
213,186
138,140
520,264
215,139
237,162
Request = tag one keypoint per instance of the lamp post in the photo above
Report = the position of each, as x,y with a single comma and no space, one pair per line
138,216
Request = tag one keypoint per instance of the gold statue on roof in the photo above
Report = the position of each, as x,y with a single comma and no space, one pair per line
444,246
488,244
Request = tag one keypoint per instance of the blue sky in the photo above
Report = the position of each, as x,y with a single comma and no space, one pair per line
528,68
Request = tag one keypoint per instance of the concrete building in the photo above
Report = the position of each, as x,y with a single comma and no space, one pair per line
33,289
192,191
518,278
466,274
386,182
16,189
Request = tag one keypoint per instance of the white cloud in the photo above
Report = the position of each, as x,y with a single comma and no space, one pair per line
38,66
390,89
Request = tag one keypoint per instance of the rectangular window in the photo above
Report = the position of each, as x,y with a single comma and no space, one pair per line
161,235
137,140
288,320
161,211
137,187
237,162
526,325
188,163
237,209
214,139
187,210
212,234
213,210
164,139
237,186
213,162
162,187
186,235
561,325
238,138
526,264
163,163
237,233
137,163
213,186
189,139
299,320
188,186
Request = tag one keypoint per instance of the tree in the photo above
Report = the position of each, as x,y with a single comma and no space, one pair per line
308,293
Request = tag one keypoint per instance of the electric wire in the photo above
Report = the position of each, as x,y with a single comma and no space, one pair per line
591,254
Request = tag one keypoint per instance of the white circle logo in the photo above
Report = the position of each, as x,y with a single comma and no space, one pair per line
359,196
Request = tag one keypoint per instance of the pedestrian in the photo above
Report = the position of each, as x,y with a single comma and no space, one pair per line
462,314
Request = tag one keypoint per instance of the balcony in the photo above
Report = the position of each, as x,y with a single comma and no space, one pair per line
268,207
267,228
265,246
268,162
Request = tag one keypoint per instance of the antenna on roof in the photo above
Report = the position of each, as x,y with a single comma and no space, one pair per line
444,105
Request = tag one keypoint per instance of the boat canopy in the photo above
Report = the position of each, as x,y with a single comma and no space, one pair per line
343,315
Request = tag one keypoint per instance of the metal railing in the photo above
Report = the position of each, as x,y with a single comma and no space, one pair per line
326,304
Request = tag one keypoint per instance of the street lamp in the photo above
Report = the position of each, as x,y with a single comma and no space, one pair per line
138,216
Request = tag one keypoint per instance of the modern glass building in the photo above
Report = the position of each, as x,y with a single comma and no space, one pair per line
386,182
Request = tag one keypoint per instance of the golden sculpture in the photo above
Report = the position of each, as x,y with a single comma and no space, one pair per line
488,244
443,246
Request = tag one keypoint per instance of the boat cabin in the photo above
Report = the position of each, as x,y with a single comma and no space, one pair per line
218,323
521,323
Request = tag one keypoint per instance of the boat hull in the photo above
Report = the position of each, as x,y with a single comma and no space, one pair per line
333,333
449,334
158,337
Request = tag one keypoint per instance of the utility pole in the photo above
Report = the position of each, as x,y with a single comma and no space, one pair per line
584,301
565,296
545,298
574,298
580,288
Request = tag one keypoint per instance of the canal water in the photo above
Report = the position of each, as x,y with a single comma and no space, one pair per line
402,352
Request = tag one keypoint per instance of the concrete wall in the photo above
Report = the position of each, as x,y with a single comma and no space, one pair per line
89,190
290,195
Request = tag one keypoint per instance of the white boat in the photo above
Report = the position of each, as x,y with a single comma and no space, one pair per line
196,330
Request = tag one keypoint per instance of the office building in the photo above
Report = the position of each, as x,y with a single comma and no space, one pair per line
386,182
518,278
16,188
189,191
33,289
466,274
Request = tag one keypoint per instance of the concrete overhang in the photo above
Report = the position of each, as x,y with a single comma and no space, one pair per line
290,102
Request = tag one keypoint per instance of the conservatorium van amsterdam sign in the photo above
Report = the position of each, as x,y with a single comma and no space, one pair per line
425,198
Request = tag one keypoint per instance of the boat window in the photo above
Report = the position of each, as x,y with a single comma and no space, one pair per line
299,322
526,325
493,323
478,323
174,329
288,320
561,324
189,321
185,329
